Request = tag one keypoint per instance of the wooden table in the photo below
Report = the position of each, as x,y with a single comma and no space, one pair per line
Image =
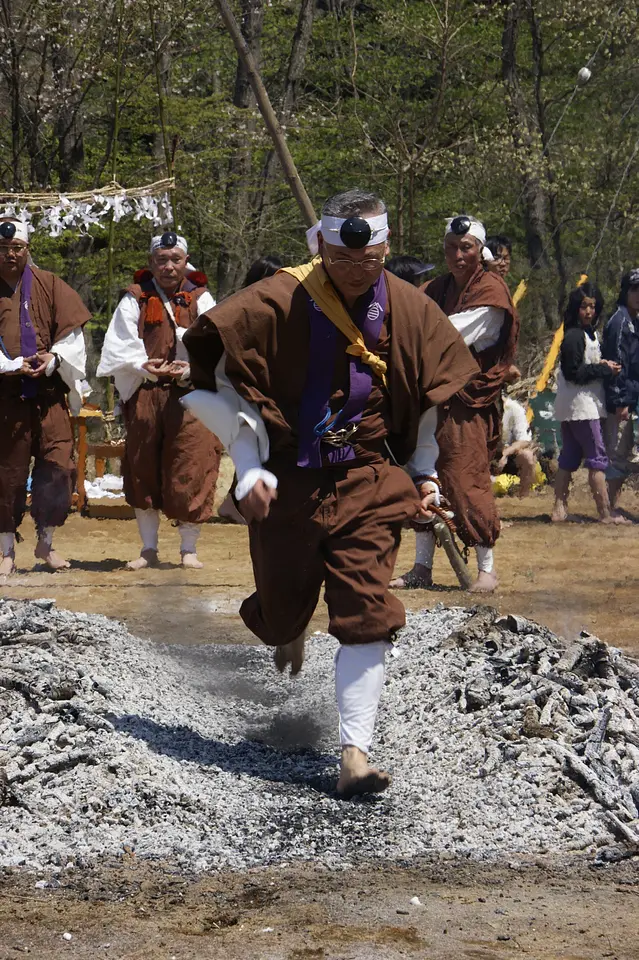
101,451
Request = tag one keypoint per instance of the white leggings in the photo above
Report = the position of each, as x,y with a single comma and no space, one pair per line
359,679
149,527
425,551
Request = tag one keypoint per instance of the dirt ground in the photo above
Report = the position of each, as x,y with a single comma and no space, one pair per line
569,577
141,912
579,575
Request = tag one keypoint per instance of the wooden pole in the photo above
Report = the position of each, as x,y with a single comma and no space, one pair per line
270,119
110,396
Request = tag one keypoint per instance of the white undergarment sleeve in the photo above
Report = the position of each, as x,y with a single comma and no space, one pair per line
479,327
10,366
149,526
223,412
7,543
485,559
359,680
123,350
73,365
424,548
189,534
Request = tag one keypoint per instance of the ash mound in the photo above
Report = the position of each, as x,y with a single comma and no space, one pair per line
503,740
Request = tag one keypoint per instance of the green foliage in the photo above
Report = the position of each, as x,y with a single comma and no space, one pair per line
410,98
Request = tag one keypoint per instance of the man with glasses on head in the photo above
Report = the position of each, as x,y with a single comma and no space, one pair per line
320,379
42,363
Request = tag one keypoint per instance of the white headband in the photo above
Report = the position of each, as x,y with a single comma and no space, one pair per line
21,231
477,230
330,228
156,244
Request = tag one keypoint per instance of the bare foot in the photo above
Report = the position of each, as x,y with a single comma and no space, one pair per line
52,559
559,513
356,777
190,560
148,558
616,519
485,583
419,578
7,565
292,653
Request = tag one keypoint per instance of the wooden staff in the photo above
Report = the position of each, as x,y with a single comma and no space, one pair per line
270,119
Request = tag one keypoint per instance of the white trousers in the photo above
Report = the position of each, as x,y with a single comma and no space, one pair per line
149,526
8,540
424,548
189,533
425,551
359,679
7,543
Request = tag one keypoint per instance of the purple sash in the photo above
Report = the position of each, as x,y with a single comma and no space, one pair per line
315,414
28,342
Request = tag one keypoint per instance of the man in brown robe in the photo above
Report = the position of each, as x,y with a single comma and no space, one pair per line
480,307
171,461
42,360
323,377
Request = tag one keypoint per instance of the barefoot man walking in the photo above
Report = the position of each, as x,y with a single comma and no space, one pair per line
171,461
318,372
42,361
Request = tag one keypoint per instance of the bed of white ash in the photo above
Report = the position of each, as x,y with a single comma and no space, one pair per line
503,740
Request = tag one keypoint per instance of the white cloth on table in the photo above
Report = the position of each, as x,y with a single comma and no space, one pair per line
123,351
480,327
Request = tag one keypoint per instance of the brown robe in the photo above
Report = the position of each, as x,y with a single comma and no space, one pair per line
469,431
171,461
339,524
40,426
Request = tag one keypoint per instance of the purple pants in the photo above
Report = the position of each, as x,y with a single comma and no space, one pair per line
582,440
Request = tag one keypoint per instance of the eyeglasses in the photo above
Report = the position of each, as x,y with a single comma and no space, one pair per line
16,248
504,259
370,265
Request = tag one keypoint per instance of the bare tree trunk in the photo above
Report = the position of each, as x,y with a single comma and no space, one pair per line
523,136
538,67
299,48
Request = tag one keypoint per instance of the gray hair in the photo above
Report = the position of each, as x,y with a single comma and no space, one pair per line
353,203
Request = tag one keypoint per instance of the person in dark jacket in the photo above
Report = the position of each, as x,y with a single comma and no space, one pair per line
621,344
580,403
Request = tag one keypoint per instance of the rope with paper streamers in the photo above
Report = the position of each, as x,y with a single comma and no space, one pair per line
56,212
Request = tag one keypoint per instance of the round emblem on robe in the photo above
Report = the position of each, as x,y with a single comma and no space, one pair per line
168,239
7,230
355,233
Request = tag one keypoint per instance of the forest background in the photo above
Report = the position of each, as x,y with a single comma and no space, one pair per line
440,106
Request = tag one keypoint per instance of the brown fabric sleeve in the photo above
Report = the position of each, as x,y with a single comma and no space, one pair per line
246,326
69,311
482,290
447,363
429,362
